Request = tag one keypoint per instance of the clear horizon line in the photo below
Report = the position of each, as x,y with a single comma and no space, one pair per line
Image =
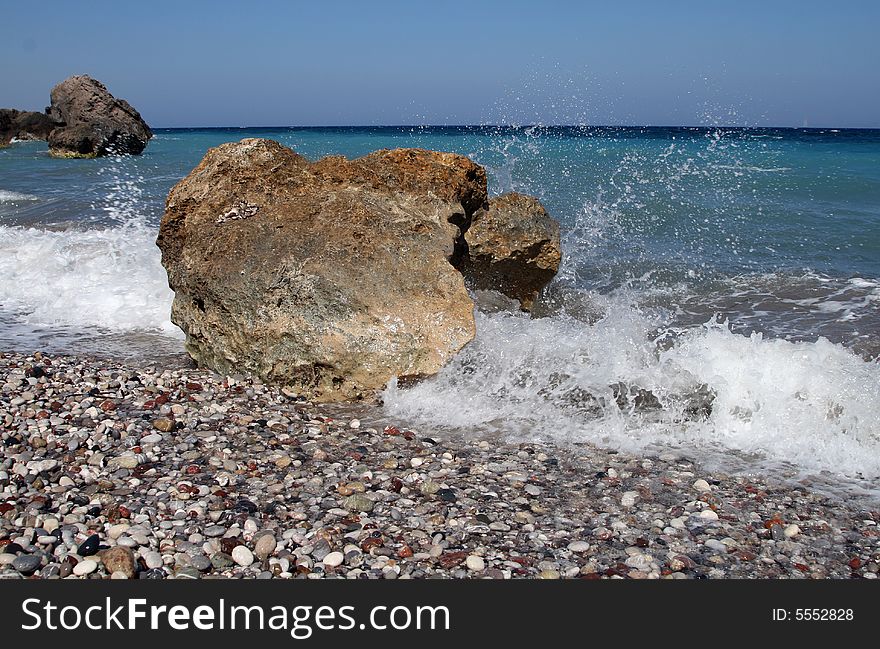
417,126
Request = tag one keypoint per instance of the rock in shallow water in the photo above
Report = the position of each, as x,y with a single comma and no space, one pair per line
513,247
91,122
24,125
330,277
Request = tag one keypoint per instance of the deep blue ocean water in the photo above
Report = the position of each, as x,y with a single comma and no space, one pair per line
740,263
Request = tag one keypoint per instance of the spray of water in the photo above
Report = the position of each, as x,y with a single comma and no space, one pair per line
103,272
615,359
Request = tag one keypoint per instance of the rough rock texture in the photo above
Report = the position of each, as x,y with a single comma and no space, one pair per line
331,277
23,125
119,559
93,122
512,247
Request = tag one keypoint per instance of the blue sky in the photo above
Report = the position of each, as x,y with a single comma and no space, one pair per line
193,63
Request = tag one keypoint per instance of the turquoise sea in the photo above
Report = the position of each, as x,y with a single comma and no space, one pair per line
720,290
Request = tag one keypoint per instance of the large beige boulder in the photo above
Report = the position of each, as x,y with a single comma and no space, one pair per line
335,276
331,277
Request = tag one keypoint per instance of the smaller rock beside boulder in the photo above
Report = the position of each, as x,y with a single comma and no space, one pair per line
23,125
513,247
92,122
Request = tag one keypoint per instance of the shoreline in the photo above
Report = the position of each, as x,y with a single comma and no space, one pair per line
194,475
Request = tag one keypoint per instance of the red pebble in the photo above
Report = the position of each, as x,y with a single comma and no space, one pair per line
451,559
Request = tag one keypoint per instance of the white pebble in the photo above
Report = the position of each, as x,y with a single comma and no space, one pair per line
709,515
85,567
475,563
791,530
702,486
242,556
152,559
334,559
715,544
118,530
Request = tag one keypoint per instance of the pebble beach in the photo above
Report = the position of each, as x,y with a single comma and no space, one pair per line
119,471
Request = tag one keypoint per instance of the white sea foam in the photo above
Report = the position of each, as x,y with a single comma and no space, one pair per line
108,278
559,379
16,197
752,168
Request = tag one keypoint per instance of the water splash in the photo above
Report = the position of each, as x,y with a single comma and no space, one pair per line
620,357
620,383
103,271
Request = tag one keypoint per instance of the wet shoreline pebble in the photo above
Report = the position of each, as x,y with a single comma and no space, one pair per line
108,470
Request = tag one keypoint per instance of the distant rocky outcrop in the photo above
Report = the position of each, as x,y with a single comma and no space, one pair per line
84,121
23,125
331,277
92,122
513,247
